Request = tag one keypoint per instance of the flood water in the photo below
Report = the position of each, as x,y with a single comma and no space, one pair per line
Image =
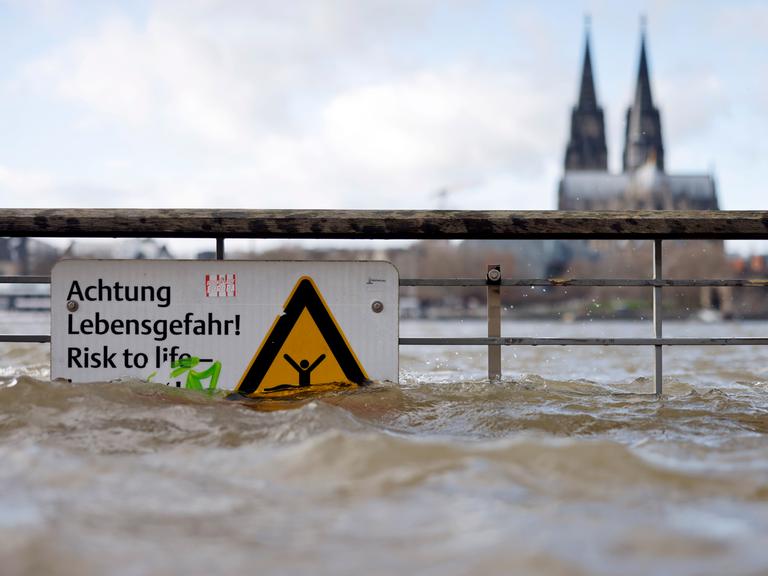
563,467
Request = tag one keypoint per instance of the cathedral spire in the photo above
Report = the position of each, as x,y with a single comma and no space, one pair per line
643,142
586,146
643,96
587,96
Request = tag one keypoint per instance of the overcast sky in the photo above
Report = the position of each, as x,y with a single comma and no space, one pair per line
361,103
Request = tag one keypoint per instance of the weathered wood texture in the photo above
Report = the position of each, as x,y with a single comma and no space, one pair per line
386,224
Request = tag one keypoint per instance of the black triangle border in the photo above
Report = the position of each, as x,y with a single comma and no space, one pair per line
305,296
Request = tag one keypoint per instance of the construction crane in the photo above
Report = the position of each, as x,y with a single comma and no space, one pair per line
443,193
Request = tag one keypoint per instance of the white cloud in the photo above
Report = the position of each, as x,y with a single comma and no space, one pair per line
219,70
698,101
292,105
44,8
25,189
21,188
349,103
459,126
394,145
109,73
744,21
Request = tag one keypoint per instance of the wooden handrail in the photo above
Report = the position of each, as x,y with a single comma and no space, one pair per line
383,224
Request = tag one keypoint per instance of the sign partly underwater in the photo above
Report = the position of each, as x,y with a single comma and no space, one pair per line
261,328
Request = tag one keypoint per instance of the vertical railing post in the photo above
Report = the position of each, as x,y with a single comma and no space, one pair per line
220,248
657,314
22,253
493,283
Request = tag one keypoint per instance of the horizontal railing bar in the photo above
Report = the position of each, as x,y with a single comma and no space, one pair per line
513,341
384,224
25,337
757,282
761,283
25,279
25,296
443,282
737,282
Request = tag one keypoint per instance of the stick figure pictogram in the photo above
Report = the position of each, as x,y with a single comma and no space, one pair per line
304,368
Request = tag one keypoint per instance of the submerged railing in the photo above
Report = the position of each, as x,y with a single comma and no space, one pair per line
409,224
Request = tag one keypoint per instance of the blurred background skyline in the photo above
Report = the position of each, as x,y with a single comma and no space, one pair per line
346,104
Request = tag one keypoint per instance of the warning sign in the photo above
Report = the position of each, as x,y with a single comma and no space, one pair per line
305,345
258,327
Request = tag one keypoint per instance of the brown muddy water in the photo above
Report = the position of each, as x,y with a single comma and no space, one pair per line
564,467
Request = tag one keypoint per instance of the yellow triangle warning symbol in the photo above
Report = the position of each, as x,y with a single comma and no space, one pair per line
305,347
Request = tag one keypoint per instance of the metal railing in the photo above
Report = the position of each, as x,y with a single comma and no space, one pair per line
497,225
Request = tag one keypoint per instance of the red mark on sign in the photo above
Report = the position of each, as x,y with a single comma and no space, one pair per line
220,285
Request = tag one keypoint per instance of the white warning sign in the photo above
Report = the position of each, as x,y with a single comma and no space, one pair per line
260,328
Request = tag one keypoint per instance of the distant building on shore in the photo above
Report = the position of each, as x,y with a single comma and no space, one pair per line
22,256
643,183
129,249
